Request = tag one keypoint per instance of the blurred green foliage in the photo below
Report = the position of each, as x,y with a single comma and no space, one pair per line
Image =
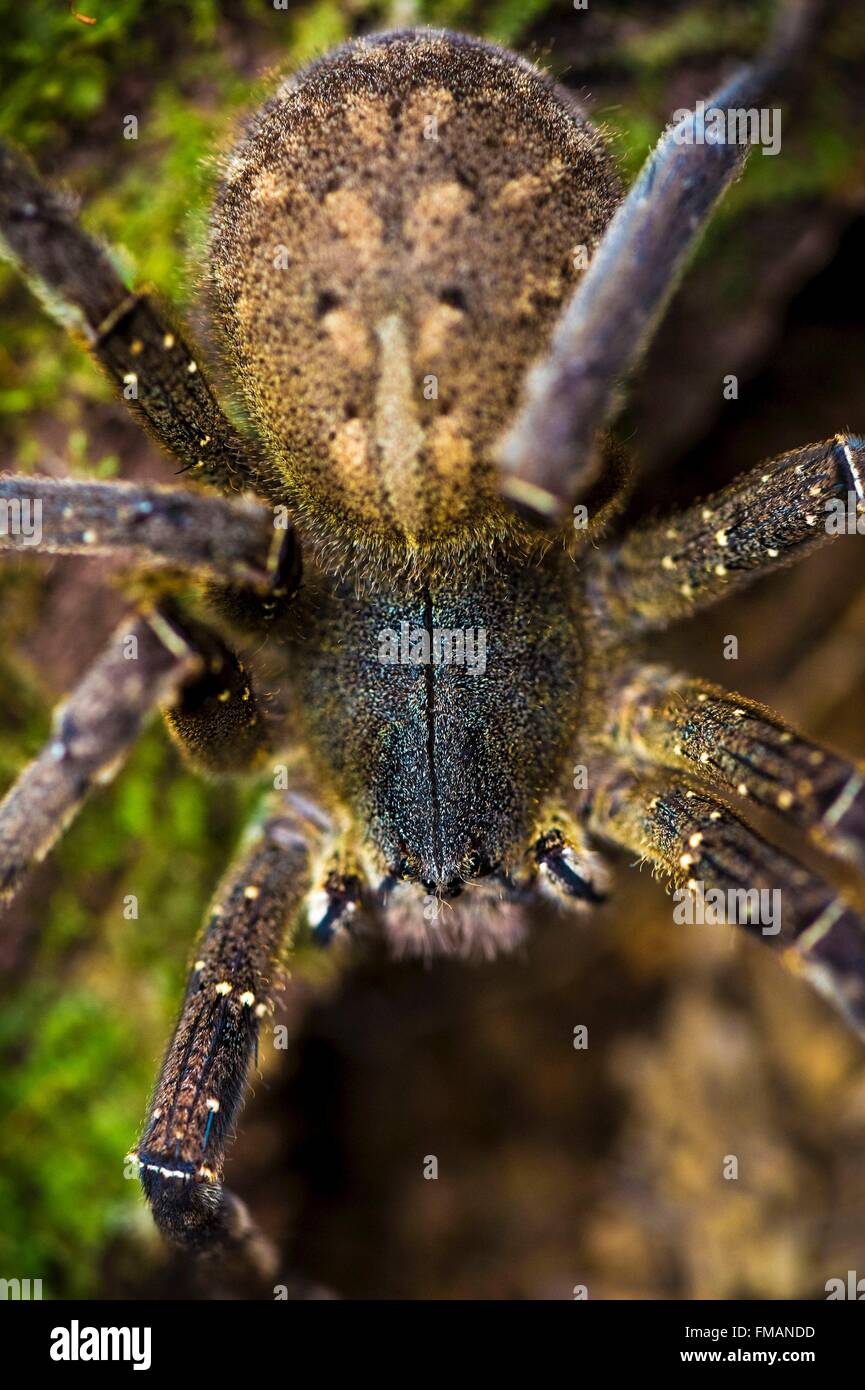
82,1035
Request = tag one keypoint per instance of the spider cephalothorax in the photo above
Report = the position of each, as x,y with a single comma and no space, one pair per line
398,269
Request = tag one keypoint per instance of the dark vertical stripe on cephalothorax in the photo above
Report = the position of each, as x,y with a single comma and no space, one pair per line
429,676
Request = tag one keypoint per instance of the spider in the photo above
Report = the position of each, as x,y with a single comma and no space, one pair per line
427,284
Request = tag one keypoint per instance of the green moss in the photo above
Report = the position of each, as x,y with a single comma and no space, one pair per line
509,19
56,72
318,28
693,32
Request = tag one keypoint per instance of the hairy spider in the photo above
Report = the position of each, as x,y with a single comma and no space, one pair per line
428,286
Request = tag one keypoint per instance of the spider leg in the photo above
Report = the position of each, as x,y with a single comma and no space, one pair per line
217,720
675,721
549,454
181,1152
568,869
781,510
153,367
230,541
144,663
257,609
702,847
333,907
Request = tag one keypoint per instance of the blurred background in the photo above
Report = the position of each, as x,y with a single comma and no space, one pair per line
557,1167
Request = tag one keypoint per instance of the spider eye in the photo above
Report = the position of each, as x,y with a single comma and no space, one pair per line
453,296
326,301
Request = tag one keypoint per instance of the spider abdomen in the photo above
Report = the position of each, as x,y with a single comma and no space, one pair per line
391,243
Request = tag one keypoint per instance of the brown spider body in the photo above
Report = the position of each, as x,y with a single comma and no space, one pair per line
391,243
397,268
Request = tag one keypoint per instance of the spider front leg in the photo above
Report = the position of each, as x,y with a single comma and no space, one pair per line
780,511
251,567
181,1152
234,542
153,367
549,455
712,856
143,665
675,721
